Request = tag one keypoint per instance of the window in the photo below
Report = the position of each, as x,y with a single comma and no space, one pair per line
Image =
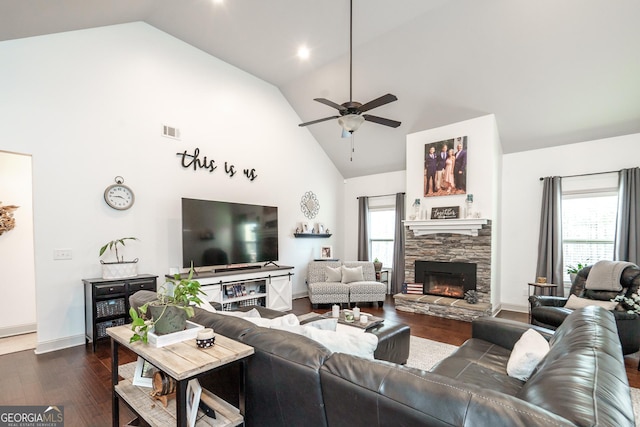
588,228
381,232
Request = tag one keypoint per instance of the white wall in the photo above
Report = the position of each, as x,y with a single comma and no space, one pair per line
522,195
16,248
89,105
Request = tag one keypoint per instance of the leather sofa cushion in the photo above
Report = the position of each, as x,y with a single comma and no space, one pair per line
140,298
363,393
481,363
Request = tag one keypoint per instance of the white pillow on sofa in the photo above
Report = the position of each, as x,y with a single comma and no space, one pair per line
352,274
253,313
333,274
575,302
287,320
361,345
527,352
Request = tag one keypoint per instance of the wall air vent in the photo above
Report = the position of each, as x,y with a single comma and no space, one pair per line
170,132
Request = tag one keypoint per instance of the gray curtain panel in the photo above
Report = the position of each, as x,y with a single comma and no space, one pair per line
550,263
627,240
397,275
363,228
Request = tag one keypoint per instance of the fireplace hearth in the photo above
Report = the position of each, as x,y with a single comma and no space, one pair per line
447,279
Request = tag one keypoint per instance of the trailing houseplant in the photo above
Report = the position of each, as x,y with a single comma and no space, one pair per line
120,268
169,312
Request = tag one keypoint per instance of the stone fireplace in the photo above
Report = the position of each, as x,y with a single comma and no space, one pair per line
447,279
443,288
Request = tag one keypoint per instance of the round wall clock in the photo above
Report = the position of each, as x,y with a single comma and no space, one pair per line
119,196
309,205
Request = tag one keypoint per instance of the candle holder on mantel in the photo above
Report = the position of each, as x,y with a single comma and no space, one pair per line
469,206
416,210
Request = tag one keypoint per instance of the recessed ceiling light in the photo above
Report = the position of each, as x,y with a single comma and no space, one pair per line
218,1
303,52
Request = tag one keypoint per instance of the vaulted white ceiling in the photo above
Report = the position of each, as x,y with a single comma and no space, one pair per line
553,72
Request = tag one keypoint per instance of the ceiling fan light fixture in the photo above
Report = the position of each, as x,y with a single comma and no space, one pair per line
351,122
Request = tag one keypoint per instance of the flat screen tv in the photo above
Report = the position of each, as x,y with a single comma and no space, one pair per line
216,233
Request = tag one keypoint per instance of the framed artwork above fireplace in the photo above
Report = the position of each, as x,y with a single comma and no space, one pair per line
445,167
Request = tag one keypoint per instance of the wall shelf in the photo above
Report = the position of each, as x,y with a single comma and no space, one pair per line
316,235
468,227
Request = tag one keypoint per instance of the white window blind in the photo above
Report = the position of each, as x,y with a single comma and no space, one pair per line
588,228
381,233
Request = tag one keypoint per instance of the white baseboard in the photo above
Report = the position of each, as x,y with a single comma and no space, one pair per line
59,344
18,330
302,295
515,307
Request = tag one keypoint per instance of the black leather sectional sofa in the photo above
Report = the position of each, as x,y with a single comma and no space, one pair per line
294,381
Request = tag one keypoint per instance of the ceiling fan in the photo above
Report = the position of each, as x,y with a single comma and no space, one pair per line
351,116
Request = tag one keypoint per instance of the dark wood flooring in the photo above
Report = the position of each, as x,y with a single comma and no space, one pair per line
80,380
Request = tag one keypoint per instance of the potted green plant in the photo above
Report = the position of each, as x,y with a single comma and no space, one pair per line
573,270
377,265
119,269
168,313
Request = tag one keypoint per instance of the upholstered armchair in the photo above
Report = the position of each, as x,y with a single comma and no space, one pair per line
550,311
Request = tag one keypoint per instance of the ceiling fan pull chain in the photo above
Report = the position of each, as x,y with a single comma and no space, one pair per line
353,138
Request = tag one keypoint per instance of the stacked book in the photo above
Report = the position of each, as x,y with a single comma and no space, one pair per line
414,288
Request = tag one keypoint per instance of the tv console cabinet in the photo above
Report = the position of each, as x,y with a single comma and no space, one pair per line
269,286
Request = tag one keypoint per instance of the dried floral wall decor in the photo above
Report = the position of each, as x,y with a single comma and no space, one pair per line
7,221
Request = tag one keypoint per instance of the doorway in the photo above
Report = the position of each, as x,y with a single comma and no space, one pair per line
17,259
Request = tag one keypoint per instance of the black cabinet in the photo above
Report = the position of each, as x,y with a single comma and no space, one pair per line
107,303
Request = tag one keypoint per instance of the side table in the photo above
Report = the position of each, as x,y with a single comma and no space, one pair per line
182,361
383,277
546,288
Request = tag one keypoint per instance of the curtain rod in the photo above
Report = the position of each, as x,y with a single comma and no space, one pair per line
584,174
382,195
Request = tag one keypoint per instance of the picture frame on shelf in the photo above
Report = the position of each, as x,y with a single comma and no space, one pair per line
194,391
321,228
326,252
305,227
143,374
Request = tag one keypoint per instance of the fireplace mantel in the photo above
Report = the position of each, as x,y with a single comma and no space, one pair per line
468,227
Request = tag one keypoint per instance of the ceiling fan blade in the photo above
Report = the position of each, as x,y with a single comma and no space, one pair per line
381,120
330,103
384,99
318,121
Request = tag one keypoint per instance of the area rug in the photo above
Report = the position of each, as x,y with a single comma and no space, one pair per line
424,353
